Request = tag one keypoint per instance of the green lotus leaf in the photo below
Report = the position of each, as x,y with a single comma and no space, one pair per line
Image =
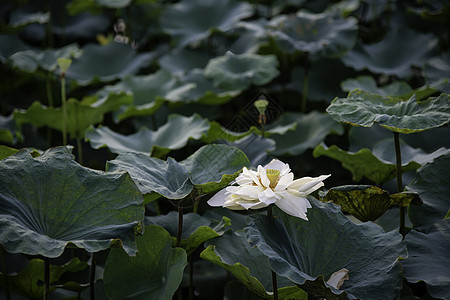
367,202
364,163
153,175
437,72
10,44
21,18
428,259
432,183
311,130
308,251
154,273
80,114
393,55
9,131
256,148
367,83
149,93
398,89
319,89
362,108
233,253
385,151
196,229
218,132
208,169
173,135
29,281
6,151
320,35
31,60
106,63
204,91
206,16
214,166
184,60
79,6
240,71
51,201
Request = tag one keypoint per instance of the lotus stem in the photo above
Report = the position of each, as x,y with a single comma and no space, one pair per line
5,272
64,110
92,278
46,278
398,158
180,222
305,85
80,151
191,277
48,87
274,275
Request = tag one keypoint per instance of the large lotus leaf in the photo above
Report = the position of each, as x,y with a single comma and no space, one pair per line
233,253
9,132
362,108
51,201
149,93
174,134
393,55
154,273
153,175
428,259
320,35
30,60
214,166
319,89
29,281
433,185
205,16
308,251
196,229
311,130
240,71
367,202
367,83
364,163
437,72
218,132
106,63
80,114
203,89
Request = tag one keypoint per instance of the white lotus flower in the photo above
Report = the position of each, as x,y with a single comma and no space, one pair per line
273,183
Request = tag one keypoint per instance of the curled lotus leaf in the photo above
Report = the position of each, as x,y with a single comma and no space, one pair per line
50,201
367,202
361,108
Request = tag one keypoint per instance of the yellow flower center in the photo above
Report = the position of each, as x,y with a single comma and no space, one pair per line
273,177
